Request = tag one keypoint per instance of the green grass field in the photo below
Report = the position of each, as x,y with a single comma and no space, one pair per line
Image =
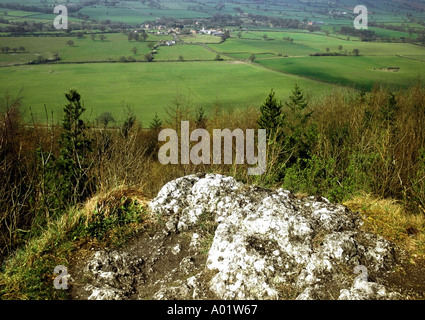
200,38
358,71
246,55
188,52
234,46
390,33
30,17
318,43
148,87
115,46
133,13
350,70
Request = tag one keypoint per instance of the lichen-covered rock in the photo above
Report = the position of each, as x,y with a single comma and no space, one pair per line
113,275
365,290
267,238
266,244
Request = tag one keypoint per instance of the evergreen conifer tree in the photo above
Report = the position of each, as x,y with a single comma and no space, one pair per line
73,164
271,115
297,101
200,118
300,136
156,123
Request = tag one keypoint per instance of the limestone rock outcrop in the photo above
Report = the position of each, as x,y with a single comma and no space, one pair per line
234,241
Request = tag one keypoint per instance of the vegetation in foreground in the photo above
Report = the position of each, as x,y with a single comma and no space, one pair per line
64,189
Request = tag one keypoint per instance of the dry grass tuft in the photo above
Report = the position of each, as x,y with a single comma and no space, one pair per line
390,219
107,201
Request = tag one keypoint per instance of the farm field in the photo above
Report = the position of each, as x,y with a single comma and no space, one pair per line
279,64
188,52
282,55
200,38
390,33
234,46
28,16
361,72
148,87
319,43
133,14
113,47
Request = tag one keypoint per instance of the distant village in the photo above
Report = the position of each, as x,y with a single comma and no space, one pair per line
161,29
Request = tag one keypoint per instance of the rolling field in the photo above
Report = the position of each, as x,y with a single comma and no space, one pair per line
115,46
188,52
358,71
390,33
234,46
200,38
106,85
134,13
319,43
28,16
246,55
346,70
148,87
